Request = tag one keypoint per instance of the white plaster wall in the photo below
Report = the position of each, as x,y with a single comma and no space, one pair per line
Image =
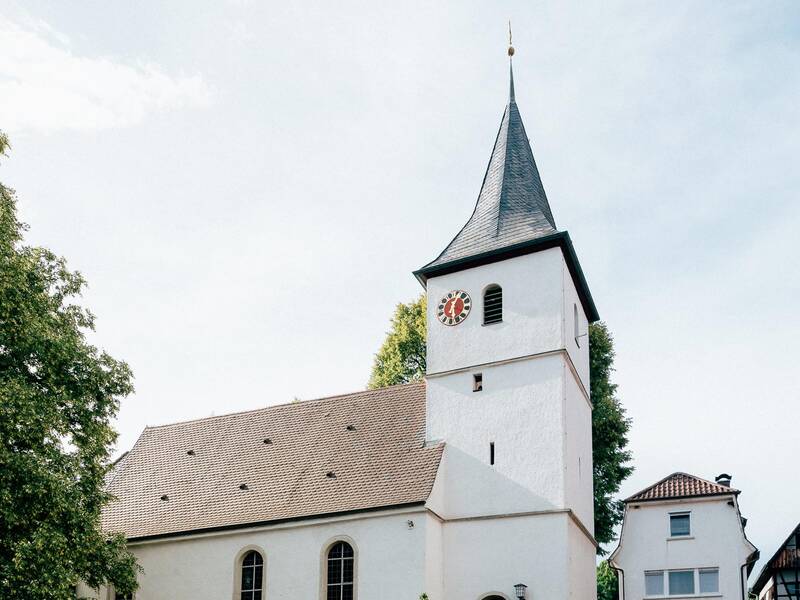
577,348
521,410
434,553
717,540
485,556
533,305
391,560
582,560
578,450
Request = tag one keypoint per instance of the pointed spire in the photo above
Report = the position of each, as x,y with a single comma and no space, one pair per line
511,85
512,207
510,66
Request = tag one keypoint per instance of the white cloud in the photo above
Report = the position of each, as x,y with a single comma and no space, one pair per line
45,87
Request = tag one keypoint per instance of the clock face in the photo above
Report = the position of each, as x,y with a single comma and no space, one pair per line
454,307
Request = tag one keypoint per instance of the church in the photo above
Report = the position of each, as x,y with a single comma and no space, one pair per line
475,484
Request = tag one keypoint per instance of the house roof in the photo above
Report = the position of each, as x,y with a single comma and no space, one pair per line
786,557
335,455
512,216
681,485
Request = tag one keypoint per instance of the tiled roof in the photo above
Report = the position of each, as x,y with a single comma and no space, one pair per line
358,451
681,485
512,207
787,557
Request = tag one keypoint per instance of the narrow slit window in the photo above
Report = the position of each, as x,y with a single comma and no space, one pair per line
577,324
341,569
477,382
252,576
493,305
491,453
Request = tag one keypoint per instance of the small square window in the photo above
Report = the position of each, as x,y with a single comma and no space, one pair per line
709,581
654,583
681,583
679,525
477,382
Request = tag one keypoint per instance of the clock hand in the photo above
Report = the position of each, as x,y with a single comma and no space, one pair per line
453,307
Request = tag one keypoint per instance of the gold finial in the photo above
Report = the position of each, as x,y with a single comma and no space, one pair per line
510,47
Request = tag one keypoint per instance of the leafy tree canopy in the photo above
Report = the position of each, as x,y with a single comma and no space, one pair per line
401,359
607,584
58,395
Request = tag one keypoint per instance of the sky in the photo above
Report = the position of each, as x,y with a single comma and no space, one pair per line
247,187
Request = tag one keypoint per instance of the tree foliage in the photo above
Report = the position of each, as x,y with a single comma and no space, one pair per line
58,395
610,427
401,359
607,583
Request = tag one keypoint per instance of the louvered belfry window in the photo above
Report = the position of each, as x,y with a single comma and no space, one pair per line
252,576
493,305
341,561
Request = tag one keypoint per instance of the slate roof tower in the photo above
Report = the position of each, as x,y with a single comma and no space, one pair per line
508,388
512,215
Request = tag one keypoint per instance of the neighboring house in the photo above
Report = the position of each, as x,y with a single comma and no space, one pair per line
475,484
780,577
683,537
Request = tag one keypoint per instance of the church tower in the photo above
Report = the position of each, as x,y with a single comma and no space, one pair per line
508,389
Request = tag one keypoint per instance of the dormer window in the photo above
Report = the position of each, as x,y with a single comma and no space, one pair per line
679,524
493,305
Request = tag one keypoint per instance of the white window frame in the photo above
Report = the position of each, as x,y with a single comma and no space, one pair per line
680,536
697,594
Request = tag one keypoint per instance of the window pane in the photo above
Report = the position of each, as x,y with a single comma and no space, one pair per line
247,578
335,551
654,583
679,524
347,573
347,592
681,582
709,580
347,550
259,577
334,593
256,595
334,571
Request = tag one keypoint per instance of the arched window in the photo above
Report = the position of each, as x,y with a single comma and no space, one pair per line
341,563
492,305
252,576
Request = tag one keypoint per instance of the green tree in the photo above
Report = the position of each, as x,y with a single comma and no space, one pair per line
610,428
58,395
607,584
401,359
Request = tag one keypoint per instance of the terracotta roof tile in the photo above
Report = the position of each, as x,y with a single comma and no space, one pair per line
681,485
380,461
786,557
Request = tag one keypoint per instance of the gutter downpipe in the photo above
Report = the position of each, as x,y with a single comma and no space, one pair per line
622,580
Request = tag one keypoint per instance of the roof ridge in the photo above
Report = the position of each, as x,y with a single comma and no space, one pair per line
283,404
718,487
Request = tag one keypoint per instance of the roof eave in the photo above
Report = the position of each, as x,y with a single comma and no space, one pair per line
271,522
558,239
732,492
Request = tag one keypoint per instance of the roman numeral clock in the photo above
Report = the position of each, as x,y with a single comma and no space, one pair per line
454,307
